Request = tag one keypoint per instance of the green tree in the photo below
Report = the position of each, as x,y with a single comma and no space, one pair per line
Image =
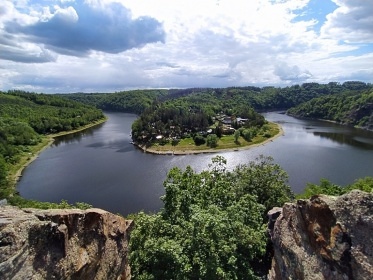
3,171
212,226
199,140
237,135
212,140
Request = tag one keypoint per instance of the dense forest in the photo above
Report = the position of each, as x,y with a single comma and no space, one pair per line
347,108
195,115
265,98
133,101
26,117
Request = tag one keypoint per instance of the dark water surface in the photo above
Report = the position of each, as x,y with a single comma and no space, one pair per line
99,166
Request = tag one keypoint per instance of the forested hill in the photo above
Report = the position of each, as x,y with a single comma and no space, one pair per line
265,98
347,108
25,117
46,113
133,101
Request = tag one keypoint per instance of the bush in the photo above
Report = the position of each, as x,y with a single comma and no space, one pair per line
199,140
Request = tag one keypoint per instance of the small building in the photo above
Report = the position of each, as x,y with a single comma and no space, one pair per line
227,121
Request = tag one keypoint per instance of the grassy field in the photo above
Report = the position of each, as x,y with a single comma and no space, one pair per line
227,142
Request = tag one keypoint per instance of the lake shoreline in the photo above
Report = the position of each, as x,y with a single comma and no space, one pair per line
211,151
46,142
331,121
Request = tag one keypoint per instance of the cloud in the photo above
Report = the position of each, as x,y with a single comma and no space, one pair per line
351,22
83,28
19,54
291,73
111,45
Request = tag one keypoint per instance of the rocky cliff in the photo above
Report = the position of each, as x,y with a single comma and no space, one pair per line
63,244
324,237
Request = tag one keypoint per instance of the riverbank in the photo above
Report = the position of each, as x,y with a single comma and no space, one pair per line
178,151
368,127
16,171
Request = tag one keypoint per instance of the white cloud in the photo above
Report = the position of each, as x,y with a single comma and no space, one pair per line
352,21
291,73
69,14
212,43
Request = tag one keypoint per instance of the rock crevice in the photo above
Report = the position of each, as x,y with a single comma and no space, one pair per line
324,237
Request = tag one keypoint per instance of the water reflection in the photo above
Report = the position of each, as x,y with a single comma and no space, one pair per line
118,145
76,137
347,139
99,166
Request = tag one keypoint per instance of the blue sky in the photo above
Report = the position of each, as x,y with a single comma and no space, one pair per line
105,45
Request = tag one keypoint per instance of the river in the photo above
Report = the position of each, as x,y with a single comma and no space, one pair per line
99,166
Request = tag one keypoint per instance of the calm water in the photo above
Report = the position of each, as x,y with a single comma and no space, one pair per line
100,166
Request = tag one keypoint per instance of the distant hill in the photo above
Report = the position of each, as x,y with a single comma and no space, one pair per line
133,101
265,98
354,109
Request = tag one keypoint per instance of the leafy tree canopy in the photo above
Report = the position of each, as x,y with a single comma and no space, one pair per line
328,188
350,108
213,223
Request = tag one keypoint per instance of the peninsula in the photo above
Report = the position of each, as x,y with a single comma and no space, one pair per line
225,143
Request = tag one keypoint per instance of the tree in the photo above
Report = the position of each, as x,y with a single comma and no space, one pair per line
213,224
212,140
237,135
199,140
3,170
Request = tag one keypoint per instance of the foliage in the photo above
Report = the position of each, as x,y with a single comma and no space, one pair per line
27,203
199,140
46,113
349,108
363,184
212,140
237,135
3,171
328,188
133,101
213,224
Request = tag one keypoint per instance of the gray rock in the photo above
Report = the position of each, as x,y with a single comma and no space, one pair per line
324,237
63,244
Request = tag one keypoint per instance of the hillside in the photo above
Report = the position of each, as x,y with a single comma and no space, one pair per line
264,98
25,120
133,101
347,109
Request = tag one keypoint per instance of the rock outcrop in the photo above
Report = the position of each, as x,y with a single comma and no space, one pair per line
63,244
324,237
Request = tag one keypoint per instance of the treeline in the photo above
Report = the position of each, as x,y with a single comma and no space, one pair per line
133,101
347,108
25,117
46,113
265,98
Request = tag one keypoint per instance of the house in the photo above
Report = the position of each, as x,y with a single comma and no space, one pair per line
227,121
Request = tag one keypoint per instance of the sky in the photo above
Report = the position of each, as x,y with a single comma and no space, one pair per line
105,45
